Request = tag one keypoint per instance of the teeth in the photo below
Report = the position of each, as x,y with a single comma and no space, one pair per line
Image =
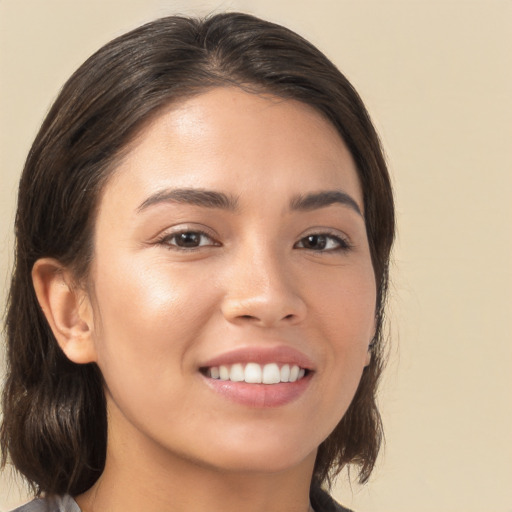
237,373
223,373
254,373
271,374
294,373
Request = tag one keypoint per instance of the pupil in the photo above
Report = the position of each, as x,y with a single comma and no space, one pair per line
188,239
316,242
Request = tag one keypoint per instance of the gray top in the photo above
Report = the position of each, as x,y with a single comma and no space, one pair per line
53,504
320,501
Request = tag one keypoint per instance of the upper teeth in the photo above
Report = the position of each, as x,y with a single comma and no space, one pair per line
254,373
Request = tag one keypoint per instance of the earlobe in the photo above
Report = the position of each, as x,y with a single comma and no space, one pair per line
66,308
369,352
368,356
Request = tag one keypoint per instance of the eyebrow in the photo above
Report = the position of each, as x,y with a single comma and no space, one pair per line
323,199
219,200
193,196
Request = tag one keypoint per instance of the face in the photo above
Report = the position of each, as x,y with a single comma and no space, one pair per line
233,292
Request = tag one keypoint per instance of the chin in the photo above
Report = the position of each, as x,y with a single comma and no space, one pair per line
271,458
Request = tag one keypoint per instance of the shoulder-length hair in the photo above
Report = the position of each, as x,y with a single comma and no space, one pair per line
54,426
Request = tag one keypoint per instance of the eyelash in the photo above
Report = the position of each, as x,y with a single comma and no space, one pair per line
166,240
341,244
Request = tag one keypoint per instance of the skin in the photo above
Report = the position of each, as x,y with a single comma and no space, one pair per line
154,312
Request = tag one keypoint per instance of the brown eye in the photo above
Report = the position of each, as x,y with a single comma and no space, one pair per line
315,242
322,242
187,240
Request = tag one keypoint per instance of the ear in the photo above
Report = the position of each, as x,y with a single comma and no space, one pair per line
371,344
368,354
67,308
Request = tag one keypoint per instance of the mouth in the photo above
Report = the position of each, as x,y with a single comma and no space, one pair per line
254,373
259,377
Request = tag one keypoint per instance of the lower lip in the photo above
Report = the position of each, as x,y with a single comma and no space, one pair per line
260,395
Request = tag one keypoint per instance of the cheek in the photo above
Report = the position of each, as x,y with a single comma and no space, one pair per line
344,314
345,304
149,317
151,321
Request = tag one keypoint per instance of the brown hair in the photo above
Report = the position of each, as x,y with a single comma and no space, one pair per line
54,426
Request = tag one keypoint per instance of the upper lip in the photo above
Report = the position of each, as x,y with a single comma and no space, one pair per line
281,354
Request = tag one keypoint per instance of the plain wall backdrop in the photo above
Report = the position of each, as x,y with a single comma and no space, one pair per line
437,79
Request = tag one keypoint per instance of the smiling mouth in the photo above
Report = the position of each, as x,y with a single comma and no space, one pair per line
254,373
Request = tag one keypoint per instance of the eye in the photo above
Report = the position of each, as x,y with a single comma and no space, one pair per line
322,242
187,240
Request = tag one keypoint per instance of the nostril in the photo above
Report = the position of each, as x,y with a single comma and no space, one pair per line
291,316
265,310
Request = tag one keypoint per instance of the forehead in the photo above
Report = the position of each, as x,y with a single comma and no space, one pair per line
228,138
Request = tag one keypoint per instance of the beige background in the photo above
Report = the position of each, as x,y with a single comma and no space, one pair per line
437,78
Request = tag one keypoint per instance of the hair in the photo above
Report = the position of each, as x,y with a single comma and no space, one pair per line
54,428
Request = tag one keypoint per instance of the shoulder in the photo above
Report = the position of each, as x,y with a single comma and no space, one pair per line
322,502
53,504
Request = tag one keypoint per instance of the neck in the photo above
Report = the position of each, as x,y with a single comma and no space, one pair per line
187,489
143,477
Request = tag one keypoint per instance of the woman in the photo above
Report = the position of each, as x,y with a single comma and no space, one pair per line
195,317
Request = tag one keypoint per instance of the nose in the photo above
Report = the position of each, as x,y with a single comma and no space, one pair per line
261,289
